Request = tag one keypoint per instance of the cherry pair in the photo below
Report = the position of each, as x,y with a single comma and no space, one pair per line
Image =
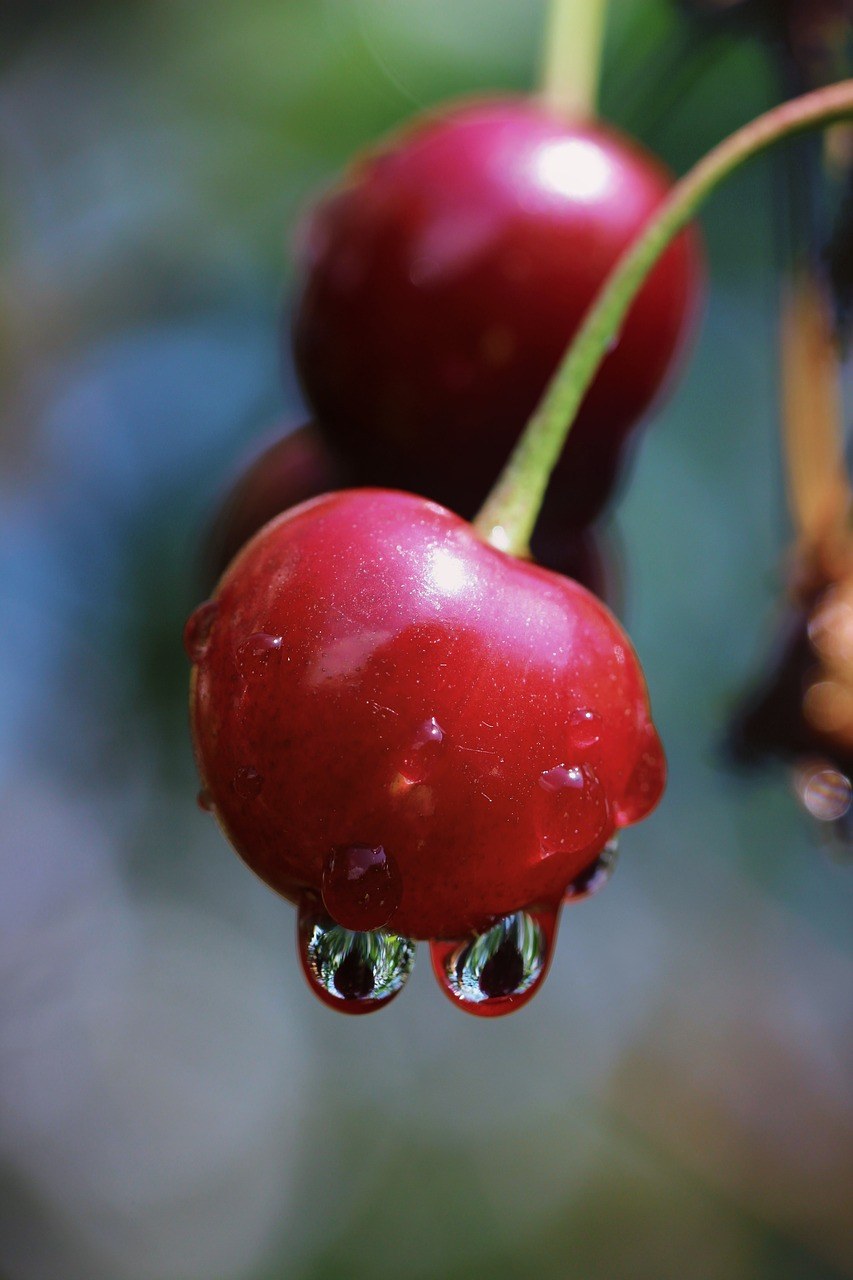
404,730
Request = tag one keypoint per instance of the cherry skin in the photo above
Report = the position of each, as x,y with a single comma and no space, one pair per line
444,278
379,695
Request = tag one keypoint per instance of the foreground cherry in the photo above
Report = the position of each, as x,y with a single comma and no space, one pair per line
412,735
297,465
444,278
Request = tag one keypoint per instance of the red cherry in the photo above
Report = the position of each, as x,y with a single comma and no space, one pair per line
444,278
286,470
300,465
465,727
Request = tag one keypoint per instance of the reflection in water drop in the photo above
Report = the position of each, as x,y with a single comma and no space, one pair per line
198,628
257,654
646,784
500,970
361,886
594,877
247,782
571,810
352,972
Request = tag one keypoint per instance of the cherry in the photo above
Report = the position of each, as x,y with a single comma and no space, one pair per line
287,469
444,278
426,736
300,464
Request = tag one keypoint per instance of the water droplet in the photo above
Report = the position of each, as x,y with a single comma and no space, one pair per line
425,752
646,784
198,628
247,782
824,792
500,970
361,886
355,972
204,800
571,809
594,877
584,728
257,654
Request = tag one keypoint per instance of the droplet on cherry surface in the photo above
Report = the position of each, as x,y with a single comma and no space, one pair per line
204,800
571,809
584,728
258,653
355,972
361,886
425,751
501,969
198,628
247,782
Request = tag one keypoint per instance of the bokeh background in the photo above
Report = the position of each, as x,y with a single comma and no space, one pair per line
174,1105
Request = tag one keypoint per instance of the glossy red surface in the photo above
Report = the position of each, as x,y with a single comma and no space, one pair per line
444,278
389,680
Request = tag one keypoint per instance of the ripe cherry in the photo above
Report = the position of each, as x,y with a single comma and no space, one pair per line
444,278
288,468
300,464
413,735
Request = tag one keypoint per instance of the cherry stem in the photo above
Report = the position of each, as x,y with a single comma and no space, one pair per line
510,512
571,63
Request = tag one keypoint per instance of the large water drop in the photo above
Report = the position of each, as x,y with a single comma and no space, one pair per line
353,972
501,969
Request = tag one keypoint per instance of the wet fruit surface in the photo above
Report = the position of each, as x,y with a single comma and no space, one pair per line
417,689
444,278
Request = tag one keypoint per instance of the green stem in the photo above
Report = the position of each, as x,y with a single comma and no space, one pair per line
572,55
511,509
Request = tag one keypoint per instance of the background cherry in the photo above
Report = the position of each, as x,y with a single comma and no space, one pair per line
372,675
443,279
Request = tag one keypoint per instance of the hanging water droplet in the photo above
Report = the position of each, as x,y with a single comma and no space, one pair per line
204,800
425,752
361,886
247,782
354,972
502,968
257,654
571,809
584,728
198,628
646,784
594,877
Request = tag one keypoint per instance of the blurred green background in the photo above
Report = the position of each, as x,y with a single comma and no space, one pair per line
174,1104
